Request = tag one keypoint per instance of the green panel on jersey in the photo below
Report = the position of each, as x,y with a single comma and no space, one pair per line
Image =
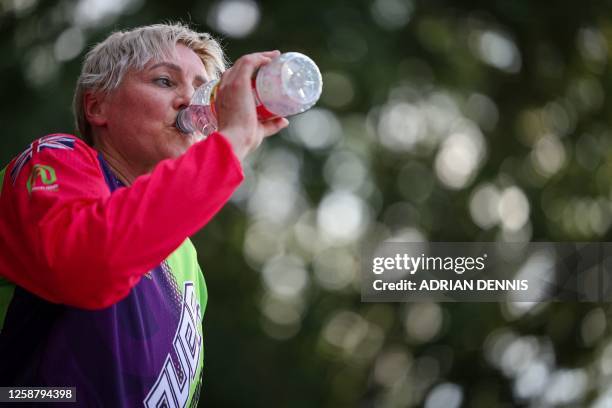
7,289
2,178
184,265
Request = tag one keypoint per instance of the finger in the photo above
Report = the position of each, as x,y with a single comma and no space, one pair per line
271,54
249,63
274,126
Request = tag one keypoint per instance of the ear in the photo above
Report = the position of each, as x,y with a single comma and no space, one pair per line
95,105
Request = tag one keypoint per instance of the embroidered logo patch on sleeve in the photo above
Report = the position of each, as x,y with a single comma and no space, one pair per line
42,178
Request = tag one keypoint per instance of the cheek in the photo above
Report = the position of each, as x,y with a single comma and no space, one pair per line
148,105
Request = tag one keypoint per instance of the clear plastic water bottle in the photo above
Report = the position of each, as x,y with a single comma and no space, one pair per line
288,85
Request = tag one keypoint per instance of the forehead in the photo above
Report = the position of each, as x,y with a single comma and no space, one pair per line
180,58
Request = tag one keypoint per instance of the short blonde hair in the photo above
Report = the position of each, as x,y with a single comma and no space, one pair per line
106,64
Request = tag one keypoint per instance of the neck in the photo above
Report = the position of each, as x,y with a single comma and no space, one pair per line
118,163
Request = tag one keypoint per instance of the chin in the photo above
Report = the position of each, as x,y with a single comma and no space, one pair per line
176,153
195,137
180,145
189,138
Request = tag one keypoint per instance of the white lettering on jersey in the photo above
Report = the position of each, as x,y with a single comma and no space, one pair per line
168,391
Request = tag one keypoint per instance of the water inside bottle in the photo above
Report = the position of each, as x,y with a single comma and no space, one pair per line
197,118
203,119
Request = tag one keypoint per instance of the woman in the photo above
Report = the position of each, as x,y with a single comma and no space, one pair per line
99,284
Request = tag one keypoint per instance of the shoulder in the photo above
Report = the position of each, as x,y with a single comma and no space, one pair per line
57,143
53,149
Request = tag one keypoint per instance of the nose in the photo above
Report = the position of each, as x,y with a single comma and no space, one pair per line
183,98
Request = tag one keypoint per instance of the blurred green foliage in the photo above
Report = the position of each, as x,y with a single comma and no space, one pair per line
440,120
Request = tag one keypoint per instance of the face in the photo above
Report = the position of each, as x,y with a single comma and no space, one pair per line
139,115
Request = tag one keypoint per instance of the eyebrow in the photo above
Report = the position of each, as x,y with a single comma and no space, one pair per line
175,67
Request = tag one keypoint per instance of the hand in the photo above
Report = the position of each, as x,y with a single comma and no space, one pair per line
236,111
